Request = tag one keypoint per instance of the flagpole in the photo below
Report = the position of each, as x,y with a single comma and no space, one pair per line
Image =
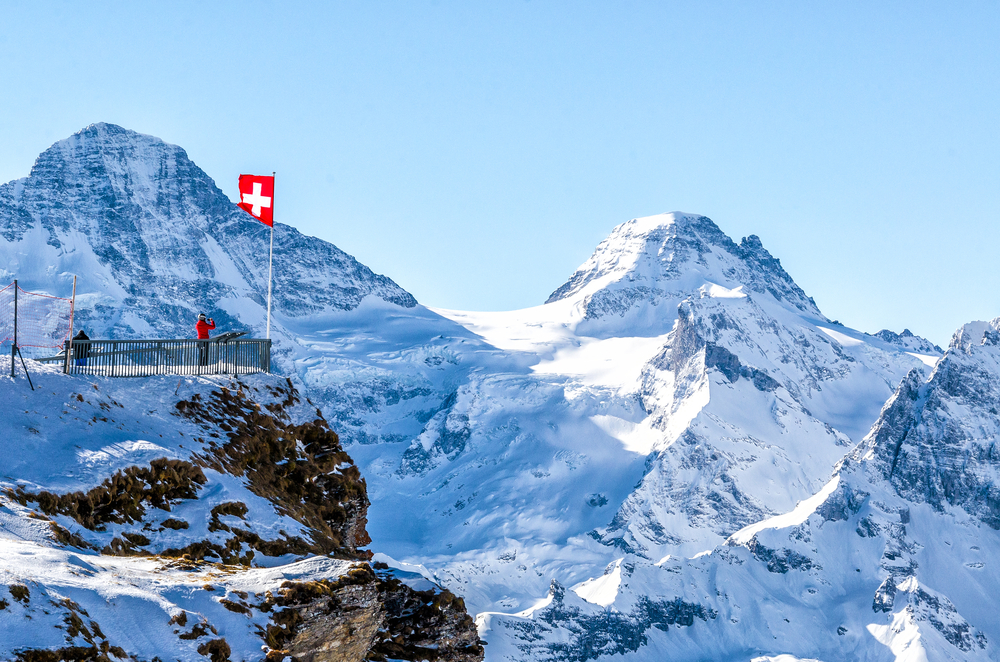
270,261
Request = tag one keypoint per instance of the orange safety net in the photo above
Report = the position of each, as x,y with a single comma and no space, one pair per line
42,320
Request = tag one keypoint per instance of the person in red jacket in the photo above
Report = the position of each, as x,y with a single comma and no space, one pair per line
203,327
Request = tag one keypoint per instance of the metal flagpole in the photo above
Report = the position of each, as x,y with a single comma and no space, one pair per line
270,260
72,308
13,347
69,346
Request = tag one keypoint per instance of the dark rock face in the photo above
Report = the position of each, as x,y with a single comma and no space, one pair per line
779,560
936,442
423,625
942,615
843,504
884,596
594,633
368,615
729,364
168,243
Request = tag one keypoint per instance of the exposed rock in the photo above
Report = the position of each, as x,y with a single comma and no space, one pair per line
779,560
369,616
587,633
302,469
936,441
885,596
428,624
909,341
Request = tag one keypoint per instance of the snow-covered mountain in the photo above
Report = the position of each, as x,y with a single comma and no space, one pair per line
678,389
654,430
155,242
893,559
658,260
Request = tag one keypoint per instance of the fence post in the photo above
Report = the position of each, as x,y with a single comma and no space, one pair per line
66,359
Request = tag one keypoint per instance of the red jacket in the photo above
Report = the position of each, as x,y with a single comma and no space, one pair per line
203,329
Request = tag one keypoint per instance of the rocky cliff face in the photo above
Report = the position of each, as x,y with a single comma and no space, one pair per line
936,441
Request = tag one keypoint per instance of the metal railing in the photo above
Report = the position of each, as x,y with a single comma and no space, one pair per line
143,358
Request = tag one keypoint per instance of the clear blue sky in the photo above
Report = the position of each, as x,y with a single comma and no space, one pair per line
476,152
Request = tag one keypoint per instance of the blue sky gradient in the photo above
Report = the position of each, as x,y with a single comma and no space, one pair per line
477,152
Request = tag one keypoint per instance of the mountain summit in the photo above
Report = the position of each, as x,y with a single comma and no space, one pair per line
656,258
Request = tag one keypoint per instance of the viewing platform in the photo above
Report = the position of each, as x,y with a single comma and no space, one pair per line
227,354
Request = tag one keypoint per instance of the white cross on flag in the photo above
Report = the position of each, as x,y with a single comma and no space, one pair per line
257,197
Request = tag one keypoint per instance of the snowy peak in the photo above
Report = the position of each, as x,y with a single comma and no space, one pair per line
156,241
670,256
131,162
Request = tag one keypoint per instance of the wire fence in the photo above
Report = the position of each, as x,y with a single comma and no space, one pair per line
31,319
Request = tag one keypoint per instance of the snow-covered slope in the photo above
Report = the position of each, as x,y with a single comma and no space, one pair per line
893,559
551,440
154,518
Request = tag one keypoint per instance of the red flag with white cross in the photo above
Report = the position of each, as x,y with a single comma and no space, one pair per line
257,197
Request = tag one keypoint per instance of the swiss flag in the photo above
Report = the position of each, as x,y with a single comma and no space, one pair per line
257,197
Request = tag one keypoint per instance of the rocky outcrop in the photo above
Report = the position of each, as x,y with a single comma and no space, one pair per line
368,616
262,484
908,340
586,632
302,469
